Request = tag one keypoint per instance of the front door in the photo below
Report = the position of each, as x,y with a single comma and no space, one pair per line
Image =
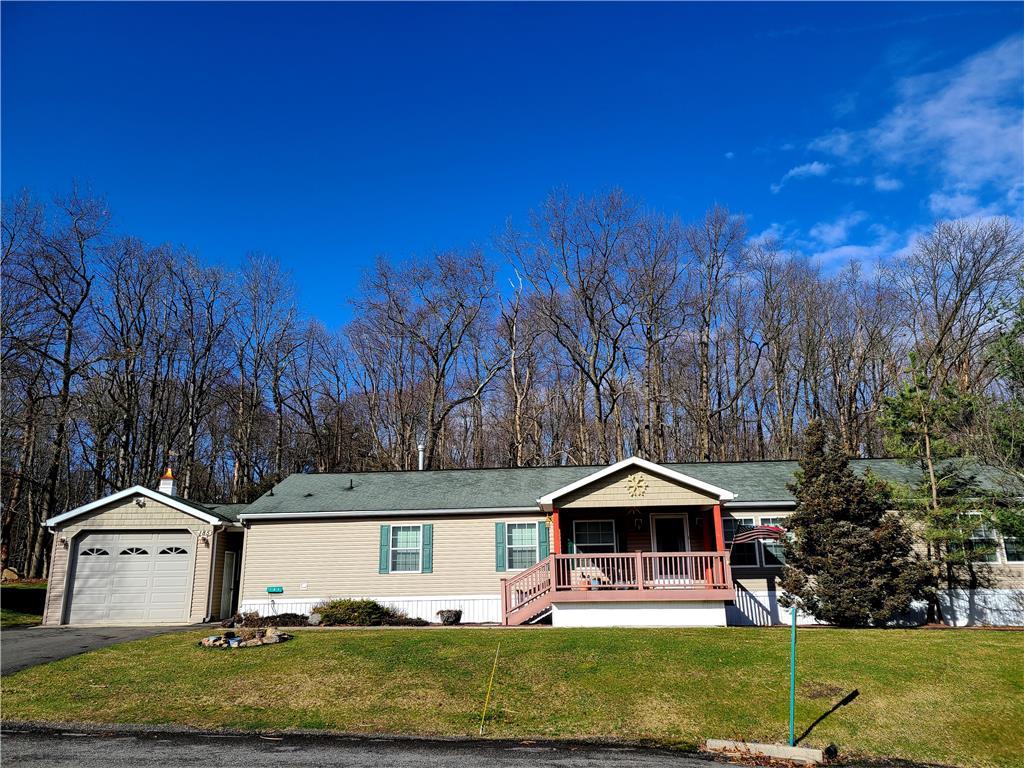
669,533
227,588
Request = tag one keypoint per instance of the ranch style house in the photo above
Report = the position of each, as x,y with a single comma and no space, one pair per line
631,544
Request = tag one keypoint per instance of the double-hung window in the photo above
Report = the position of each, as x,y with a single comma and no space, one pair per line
591,536
521,545
406,548
983,541
743,555
771,551
753,554
1014,549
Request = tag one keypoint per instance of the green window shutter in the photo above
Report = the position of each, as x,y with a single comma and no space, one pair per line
385,549
499,546
543,539
427,557
570,544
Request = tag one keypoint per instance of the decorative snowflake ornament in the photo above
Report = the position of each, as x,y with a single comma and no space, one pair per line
636,484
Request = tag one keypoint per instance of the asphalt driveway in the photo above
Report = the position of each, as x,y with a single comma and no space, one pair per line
66,747
27,646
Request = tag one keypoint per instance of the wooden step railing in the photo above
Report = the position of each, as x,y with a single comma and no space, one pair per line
527,593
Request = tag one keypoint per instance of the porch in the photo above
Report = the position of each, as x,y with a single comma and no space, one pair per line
633,538
634,577
618,555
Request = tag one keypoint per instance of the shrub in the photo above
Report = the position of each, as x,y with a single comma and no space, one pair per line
280,620
362,613
450,616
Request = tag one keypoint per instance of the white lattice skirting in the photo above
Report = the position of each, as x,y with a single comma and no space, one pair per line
960,608
476,609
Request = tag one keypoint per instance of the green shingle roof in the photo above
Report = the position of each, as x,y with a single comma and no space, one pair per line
469,489
227,511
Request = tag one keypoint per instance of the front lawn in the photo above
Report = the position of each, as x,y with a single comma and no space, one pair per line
954,697
21,604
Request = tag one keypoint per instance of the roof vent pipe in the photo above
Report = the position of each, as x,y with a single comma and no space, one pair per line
420,447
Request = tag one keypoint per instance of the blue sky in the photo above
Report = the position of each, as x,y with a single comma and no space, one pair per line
328,134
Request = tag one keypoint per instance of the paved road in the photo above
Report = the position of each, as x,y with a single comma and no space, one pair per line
28,646
181,750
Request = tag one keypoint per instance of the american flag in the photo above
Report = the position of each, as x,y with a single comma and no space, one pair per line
758,532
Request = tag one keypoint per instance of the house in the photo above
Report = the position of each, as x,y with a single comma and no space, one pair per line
634,543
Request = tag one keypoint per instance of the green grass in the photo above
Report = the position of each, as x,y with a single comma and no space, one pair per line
21,604
954,697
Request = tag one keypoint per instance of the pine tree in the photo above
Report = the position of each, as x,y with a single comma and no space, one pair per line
849,562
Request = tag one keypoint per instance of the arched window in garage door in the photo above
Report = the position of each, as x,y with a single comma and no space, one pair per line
173,551
134,551
94,551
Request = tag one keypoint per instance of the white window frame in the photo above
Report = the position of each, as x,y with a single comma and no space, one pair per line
536,536
754,521
778,519
392,548
576,541
995,539
1006,556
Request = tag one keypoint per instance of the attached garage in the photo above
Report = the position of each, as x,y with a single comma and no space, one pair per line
141,557
134,576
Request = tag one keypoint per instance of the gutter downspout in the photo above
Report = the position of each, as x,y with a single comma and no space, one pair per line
209,589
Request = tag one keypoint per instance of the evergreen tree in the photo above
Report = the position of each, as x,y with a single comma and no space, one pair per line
948,431
849,562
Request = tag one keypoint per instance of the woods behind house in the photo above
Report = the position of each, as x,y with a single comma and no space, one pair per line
599,330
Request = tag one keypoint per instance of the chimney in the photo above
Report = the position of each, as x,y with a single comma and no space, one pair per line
420,447
167,484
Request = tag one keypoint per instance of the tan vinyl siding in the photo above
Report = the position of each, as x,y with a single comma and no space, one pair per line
612,491
125,515
340,557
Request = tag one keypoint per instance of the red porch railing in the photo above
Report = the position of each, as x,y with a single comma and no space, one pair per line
642,571
613,577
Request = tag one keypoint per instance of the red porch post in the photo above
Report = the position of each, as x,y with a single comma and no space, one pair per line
556,532
719,539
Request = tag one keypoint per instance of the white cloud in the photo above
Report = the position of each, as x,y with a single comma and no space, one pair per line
840,143
966,122
730,155
884,183
832,233
775,231
886,245
815,168
958,205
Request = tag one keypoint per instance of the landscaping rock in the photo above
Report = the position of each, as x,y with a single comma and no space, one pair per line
315,619
249,638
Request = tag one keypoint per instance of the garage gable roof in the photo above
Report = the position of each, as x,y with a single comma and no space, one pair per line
546,502
189,508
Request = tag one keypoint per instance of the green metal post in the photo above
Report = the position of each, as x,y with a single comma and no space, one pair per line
792,678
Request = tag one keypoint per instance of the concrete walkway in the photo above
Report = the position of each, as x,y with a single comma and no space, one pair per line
27,646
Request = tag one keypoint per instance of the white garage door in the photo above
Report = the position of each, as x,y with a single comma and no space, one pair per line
131,576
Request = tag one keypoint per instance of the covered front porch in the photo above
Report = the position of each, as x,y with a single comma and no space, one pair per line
634,538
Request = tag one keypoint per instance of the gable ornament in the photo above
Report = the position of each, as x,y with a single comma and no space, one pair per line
636,484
